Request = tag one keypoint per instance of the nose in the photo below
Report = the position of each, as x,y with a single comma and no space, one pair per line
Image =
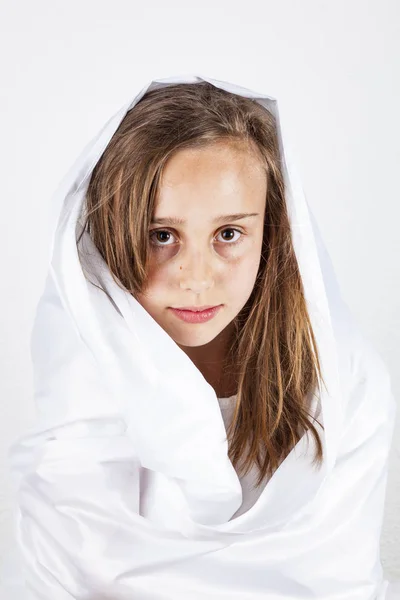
195,272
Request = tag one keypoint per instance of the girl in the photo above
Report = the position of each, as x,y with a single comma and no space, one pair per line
211,422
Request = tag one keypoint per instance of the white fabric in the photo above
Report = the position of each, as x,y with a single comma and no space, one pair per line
250,491
124,487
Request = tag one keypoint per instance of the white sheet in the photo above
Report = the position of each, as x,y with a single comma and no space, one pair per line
111,503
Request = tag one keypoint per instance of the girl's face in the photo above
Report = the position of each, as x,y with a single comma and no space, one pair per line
208,257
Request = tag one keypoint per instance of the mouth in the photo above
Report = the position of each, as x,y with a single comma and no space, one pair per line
195,308
196,314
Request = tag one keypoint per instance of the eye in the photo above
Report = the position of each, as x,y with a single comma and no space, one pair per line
237,240
159,232
165,236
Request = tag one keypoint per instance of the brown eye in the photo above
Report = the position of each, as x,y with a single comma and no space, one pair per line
231,240
162,235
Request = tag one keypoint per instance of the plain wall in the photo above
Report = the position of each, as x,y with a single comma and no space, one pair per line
334,67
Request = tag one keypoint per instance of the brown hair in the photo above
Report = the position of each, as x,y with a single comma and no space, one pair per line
273,352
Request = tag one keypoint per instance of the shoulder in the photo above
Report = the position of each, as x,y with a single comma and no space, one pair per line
365,380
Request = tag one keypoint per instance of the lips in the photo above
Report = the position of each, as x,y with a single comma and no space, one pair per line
196,308
196,316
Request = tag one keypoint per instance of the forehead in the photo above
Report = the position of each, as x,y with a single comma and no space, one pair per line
217,178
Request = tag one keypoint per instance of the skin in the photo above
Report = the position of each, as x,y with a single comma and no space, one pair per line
197,262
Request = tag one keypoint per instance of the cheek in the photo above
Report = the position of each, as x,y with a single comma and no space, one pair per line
242,276
159,278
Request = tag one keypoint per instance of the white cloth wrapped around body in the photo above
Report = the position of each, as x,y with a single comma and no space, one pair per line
124,487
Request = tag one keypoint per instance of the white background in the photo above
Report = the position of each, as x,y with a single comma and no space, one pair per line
334,67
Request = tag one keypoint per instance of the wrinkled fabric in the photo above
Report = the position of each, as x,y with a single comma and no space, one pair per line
124,488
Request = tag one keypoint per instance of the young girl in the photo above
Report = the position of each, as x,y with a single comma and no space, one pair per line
211,421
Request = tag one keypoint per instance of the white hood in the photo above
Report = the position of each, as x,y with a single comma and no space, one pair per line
107,380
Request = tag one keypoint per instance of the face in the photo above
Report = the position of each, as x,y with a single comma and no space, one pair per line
207,258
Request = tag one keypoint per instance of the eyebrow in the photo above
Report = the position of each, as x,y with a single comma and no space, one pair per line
219,219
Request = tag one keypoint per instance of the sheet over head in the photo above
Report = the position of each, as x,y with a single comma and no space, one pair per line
108,379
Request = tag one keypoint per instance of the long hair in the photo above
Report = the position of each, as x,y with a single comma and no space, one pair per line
273,351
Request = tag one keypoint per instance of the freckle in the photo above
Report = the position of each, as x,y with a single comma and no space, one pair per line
180,267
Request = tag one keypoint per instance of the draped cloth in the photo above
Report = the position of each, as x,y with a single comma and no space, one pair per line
124,488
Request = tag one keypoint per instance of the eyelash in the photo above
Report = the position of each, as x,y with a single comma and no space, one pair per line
238,241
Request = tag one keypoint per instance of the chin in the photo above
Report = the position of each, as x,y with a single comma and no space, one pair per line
193,339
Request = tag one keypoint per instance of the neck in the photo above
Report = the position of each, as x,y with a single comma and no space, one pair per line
209,359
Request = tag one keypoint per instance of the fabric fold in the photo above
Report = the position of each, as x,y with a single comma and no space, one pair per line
113,504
